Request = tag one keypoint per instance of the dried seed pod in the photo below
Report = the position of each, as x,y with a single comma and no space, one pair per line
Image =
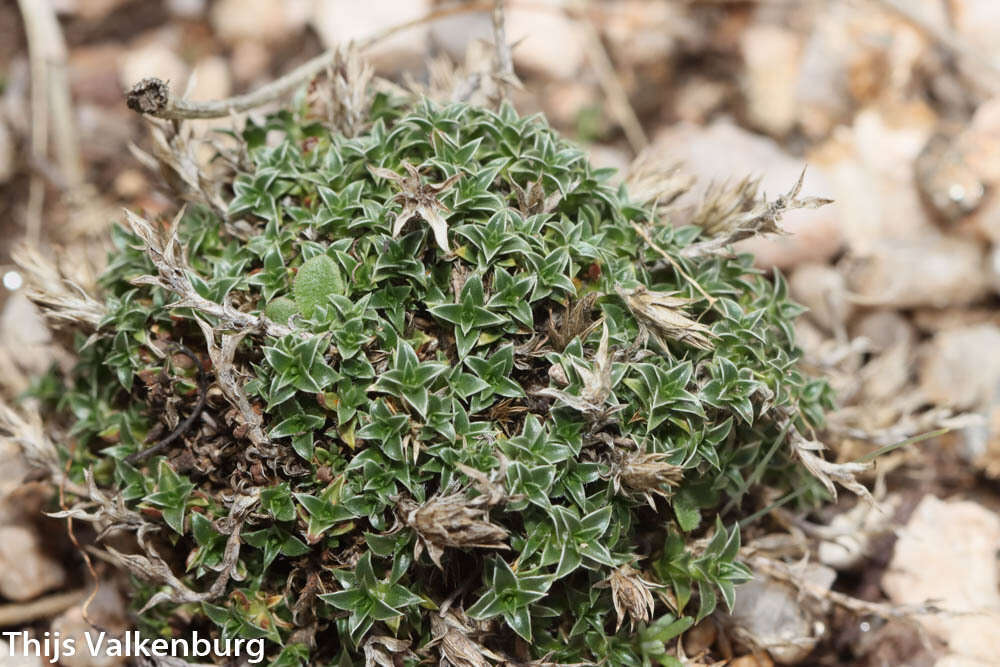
661,315
452,520
631,596
644,473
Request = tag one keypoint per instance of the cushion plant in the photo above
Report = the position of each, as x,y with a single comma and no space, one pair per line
438,389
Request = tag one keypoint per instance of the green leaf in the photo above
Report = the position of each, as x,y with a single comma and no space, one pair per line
317,279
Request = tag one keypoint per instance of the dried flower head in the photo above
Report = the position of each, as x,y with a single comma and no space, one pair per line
661,314
419,198
456,647
451,520
631,595
645,473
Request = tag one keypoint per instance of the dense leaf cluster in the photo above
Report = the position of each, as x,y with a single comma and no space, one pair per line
471,406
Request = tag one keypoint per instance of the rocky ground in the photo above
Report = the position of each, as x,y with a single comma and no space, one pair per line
894,106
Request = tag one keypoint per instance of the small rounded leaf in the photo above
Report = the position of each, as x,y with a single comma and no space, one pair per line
281,309
316,280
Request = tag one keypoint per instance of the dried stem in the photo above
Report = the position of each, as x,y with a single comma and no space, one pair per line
763,218
671,261
621,108
152,96
16,615
172,275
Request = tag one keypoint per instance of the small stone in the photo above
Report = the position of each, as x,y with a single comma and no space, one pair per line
698,97
13,470
724,152
772,616
150,62
752,660
822,289
643,33
700,638
867,167
960,367
452,34
339,22
9,658
946,178
930,271
260,20
211,79
107,612
975,23
771,57
947,554
130,183
25,570
884,328
552,44
187,9
249,60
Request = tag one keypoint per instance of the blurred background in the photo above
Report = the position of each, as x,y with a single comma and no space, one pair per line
894,105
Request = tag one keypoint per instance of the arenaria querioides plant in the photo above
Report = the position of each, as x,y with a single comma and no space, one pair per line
426,385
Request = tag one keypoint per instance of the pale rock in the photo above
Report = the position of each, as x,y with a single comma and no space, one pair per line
26,571
976,23
822,81
88,10
771,614
848,539
154,59
210,79
947,554
641,33
6,153
751,660
981,141
266,21
552,45
25,349
935,271
452,34
960,367
12,472
698,97
771,60
947,180
250,60
856,55
877,200
994,262
822,289
724,152
884,328
130,183
809,338
18,660
187,9
107,612
700,637
341,21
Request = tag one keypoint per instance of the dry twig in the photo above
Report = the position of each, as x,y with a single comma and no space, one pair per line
19,614
152,96
50,102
